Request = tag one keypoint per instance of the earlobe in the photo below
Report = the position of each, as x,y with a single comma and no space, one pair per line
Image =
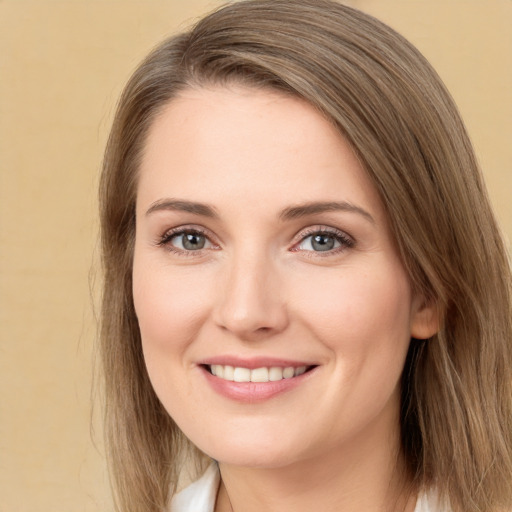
425,319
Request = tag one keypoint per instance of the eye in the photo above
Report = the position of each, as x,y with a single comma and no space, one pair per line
185,240
319,242
191,241
324,241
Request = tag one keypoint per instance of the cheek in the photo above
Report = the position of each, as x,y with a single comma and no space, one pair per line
360,313
169,307
363,319
170,312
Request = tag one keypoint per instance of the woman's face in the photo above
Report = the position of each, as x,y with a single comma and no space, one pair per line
263,255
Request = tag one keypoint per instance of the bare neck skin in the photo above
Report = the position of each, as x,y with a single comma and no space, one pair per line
365,475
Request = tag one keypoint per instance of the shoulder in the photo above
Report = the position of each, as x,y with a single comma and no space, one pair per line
200,495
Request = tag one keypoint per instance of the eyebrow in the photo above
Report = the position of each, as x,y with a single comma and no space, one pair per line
303,210
290,213
181,205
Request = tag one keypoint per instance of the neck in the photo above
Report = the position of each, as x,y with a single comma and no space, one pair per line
365,474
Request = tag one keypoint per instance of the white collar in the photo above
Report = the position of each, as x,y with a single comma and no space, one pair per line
200,495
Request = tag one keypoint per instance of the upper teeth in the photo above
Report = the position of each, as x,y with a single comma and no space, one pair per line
240,374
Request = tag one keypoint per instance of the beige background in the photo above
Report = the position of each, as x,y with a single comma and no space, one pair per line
62,65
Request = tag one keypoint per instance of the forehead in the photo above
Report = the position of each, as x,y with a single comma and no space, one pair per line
259,144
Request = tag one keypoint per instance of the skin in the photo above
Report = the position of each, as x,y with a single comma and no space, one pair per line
259,287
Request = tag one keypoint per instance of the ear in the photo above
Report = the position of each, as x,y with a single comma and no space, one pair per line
425,318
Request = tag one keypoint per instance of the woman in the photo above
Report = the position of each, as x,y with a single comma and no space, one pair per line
304,281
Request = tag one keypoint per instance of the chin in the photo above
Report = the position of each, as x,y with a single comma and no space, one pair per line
256,453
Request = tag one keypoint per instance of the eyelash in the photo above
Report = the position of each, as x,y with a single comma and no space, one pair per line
344,240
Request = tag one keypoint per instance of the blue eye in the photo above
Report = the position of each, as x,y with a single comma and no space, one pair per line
188,241
319,242
324,241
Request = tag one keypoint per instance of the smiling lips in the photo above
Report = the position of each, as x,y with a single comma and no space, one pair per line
263,374
255,380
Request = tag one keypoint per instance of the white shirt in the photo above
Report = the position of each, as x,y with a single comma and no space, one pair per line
200,496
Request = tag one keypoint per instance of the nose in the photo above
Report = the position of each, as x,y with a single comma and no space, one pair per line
252,305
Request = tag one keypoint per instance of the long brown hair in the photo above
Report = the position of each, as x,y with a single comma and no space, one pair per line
389,103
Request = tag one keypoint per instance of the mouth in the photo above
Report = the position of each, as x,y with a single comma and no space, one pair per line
255,380
260,375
